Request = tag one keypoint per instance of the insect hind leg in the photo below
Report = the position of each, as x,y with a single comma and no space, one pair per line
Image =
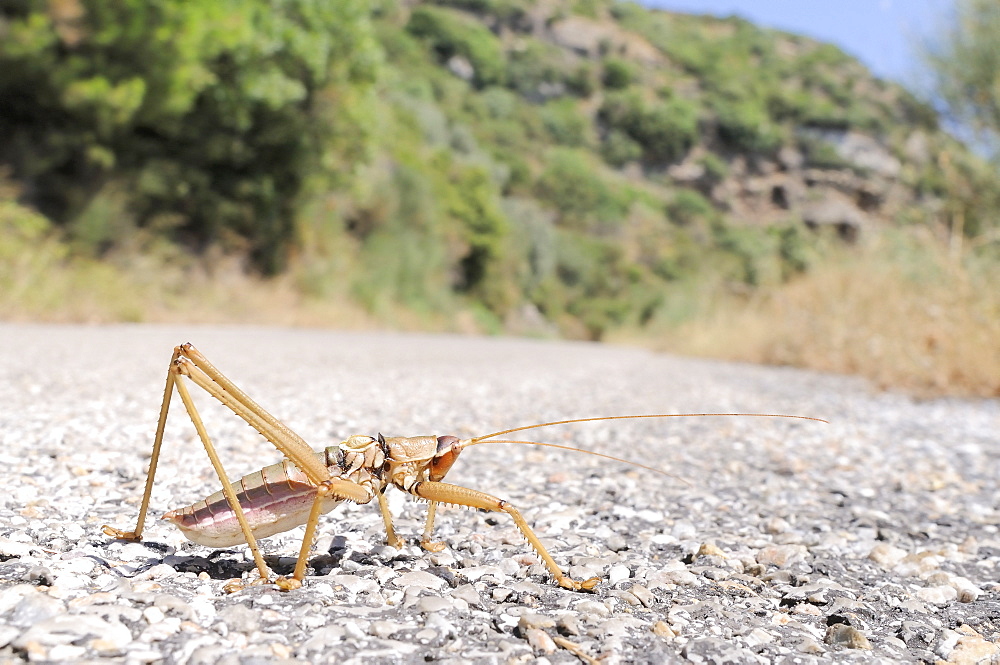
136,534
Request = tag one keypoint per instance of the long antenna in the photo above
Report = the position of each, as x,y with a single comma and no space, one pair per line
488,438
589,452
657,415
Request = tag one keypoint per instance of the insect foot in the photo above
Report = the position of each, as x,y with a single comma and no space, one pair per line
573,585
288,583
119,534
433,546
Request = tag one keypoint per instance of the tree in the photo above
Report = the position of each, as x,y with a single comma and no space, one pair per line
204,118
966,64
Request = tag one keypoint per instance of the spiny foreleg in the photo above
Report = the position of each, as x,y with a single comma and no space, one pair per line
463,496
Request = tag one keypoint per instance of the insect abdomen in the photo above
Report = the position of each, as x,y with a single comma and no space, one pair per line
275,499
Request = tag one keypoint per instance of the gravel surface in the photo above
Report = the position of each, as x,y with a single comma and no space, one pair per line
872,539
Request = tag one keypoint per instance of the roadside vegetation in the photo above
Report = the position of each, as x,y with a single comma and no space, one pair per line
478,166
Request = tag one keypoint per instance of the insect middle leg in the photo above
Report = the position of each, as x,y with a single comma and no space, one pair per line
397,542
463,496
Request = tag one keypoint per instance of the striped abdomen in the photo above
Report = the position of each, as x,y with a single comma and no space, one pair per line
275,499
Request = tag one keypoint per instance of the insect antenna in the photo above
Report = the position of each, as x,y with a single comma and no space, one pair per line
589,452
477,439
488,438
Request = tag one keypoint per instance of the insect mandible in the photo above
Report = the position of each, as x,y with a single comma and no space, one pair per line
307,484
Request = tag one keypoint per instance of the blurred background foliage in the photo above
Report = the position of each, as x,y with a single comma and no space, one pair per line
588,168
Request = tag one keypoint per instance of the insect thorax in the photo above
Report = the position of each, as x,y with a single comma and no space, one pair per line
360,459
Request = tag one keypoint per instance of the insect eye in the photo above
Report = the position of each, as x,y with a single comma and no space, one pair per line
445,443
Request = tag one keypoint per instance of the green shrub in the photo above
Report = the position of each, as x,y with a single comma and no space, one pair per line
618,149
580,196
666,131
749,254
581,81
688,207
451,34
618,74
534,65
210,112
565,124
745,126
716,168
821,154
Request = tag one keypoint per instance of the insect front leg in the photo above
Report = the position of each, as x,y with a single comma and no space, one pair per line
463,496
390,532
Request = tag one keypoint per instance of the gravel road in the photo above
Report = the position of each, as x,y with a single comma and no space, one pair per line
871,539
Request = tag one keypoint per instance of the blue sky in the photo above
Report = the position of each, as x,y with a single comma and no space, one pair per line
881,33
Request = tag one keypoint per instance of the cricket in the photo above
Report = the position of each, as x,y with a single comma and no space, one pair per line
307,484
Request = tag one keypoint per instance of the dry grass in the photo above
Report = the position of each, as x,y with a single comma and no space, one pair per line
898,312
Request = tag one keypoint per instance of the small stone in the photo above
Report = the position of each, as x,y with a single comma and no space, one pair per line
501,594
776,525
240,618
13,549
425,636
847,636
539,641
585,572
758,637
678,577
683,530
967,591
384,574
569,624
468,593
473,573
153,615
972,649
173,605
64,653
354,583
34,607
7,635
644,595
12,596
161,630
39,575
159,571
886,555
532,620
510,566
780,555
662,629
323,639
615,627
968,595
429,604
592,607
811,646
937,595
419,578
618,573
710,549
806,609
385,629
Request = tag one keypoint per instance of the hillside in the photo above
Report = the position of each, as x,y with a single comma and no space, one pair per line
575,167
